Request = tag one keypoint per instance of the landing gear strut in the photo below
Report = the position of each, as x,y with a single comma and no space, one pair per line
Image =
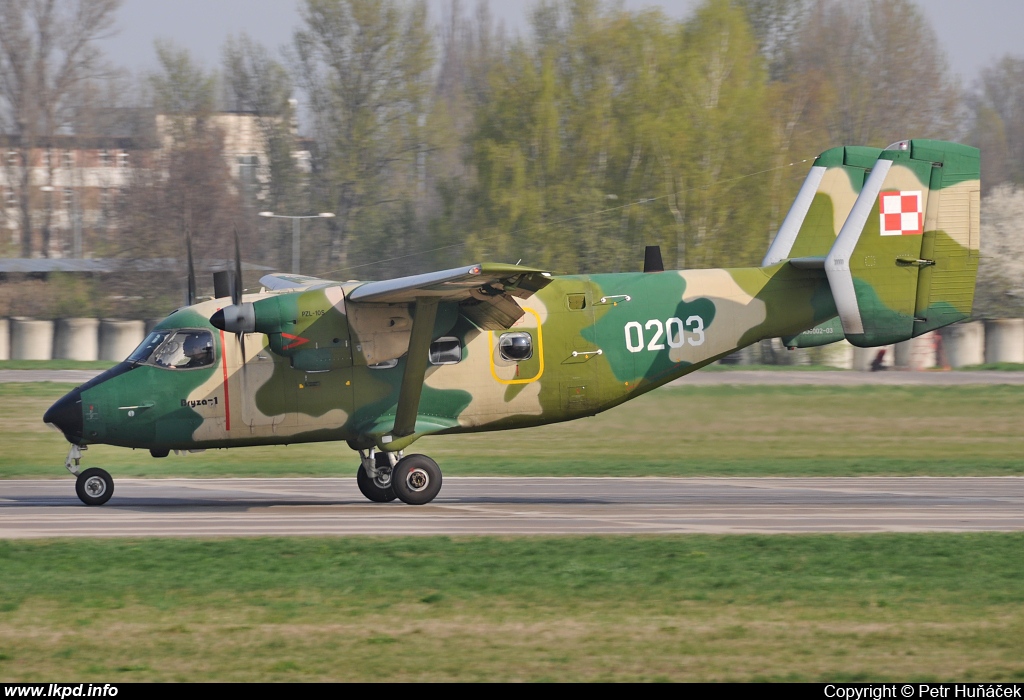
93,486
384,476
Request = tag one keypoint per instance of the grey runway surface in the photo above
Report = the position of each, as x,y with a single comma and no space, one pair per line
698,378
517,506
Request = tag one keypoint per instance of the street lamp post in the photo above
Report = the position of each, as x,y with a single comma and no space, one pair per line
295,231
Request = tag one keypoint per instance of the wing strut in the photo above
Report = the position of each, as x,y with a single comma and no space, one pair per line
424,316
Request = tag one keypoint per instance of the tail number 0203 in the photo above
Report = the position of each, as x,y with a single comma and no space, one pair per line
671,331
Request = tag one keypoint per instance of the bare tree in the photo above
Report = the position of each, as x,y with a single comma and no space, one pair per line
997,103
885,72
47,51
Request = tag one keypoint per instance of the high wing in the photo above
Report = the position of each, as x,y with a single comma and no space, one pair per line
455,284
279,281
484,293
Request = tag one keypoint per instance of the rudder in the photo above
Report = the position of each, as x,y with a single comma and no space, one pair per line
906,259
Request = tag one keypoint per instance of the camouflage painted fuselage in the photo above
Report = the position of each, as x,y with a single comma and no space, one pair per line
597,341
880,246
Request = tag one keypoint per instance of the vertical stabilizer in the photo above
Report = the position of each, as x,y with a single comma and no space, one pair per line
906,258
823,203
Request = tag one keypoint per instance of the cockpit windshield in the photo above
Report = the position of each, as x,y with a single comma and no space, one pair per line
179,349
151,343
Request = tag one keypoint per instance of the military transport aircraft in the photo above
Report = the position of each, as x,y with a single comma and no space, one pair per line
879,246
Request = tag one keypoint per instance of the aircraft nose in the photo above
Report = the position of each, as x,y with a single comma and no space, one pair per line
66,415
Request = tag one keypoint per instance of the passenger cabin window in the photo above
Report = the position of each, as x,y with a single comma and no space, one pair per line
515,347
184,349
446,351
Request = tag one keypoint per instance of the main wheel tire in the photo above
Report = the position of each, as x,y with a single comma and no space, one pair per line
94,486
416,479
375,489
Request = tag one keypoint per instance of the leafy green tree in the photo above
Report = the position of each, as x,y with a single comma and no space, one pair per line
365,67
182,89
722,94
612,130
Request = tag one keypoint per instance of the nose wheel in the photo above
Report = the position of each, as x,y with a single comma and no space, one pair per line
94,486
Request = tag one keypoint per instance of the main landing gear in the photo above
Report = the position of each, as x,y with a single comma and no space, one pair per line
385,476
93,486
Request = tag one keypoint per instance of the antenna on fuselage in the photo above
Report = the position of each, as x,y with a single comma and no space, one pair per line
190,292
652,259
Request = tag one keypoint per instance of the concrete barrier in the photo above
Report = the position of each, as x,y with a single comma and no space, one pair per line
964,344
838,355
76,339
916,353
119,338
1004,340
5,339
31,339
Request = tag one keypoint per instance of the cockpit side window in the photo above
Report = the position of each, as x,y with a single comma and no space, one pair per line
185,349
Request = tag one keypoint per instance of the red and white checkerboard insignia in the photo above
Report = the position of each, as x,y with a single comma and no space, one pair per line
901,213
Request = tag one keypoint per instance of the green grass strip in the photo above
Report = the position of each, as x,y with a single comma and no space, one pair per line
726,430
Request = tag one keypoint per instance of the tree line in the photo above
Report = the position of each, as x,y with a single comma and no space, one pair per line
570,147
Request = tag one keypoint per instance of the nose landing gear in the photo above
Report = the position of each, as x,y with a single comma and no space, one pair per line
93,486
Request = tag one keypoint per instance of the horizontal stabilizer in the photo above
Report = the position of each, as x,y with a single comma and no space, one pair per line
816,262
831,331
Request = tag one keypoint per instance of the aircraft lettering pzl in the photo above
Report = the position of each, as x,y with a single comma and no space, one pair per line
879,246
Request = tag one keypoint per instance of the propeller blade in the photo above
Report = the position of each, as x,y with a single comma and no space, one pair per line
236,290
190,295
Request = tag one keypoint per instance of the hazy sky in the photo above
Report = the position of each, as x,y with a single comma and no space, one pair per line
973,33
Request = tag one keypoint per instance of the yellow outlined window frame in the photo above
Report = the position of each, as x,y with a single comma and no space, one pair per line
540,354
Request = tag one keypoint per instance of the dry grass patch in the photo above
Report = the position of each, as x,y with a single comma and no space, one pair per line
880,607
699,644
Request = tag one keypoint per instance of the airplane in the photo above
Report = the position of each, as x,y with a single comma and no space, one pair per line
879,246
